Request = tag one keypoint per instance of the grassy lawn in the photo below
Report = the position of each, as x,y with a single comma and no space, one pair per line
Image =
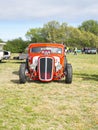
54,105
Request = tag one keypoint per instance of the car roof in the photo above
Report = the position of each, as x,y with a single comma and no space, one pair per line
46,44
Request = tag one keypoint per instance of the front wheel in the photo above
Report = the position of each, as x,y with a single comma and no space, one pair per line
68,73
22,76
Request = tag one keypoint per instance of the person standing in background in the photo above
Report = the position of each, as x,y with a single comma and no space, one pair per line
75,51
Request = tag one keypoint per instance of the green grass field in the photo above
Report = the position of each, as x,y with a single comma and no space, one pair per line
54,105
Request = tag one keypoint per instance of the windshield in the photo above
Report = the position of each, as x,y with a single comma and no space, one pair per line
52,49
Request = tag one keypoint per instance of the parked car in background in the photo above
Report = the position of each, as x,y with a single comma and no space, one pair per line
1,51
4,55
7,54
21,56
1,55
90,51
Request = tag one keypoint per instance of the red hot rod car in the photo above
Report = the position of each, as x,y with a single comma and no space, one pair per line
45,62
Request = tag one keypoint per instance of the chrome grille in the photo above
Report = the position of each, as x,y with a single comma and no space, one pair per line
45,68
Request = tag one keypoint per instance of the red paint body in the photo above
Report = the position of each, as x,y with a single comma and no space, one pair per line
45,61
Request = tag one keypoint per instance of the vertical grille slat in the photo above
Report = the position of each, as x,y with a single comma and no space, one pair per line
42,68
46,68
49,68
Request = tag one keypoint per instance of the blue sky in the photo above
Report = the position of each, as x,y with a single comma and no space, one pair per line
18,16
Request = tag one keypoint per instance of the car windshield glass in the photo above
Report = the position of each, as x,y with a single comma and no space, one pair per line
52,49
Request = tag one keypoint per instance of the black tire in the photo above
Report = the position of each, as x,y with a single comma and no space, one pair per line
68,74
22,76
65,62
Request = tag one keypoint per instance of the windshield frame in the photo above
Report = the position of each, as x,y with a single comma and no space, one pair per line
54,50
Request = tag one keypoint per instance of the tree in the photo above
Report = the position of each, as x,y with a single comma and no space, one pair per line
1,40
16,45
51,30
63,33
90,26
35,35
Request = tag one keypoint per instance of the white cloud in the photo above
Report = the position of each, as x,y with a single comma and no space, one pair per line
39,9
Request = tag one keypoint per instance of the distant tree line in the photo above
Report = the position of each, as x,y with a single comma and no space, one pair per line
86,35
16,46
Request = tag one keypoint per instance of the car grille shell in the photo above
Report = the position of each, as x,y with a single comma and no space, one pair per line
46,68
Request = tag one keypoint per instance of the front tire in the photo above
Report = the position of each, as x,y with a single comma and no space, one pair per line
22,76
68,74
